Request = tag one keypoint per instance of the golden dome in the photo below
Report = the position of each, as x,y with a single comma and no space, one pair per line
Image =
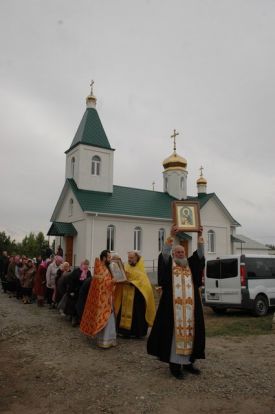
201,180
175,161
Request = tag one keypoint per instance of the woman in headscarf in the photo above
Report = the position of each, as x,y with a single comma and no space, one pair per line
50,279
39,288
27,279
74,283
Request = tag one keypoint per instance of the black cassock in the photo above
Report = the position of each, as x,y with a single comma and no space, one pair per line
160,339
139,325
74,285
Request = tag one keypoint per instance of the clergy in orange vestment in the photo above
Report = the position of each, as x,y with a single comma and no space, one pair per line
98,319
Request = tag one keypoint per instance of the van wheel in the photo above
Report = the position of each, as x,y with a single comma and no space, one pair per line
219,311
260,306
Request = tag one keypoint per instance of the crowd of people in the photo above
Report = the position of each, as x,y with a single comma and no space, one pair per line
105,308
47,281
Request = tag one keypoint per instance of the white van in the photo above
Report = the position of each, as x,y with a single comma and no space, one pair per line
240,281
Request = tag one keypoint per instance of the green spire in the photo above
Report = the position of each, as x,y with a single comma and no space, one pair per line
90,130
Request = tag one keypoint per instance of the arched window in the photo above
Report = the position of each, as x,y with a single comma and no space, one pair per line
72,166
211,241
137,238
111,237
182,183
161,239
71,207
96,161
165,184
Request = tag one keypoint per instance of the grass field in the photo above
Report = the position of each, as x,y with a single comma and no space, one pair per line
236,323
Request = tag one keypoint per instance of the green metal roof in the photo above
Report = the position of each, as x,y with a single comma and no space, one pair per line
90,131
128,201
59,228
124,201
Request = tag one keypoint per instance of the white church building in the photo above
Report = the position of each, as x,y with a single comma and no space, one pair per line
93,214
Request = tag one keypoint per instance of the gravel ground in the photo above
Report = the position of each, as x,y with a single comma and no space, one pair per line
49,367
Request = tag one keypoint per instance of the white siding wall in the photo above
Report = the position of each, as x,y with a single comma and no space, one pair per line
124,236
87,181
92,232
68,172
83,177
213,218
63,214
79,248
92,235
78,220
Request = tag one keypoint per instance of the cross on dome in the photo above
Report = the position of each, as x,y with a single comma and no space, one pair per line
91,99
174,137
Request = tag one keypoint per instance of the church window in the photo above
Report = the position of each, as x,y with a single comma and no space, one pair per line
165,184
161,239
137,238
96,161
71,207
211,241
182,183
72,166
111,237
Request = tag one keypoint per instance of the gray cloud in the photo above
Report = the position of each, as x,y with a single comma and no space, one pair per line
203,67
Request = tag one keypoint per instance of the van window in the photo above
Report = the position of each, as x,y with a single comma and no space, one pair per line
222,269
229,268
213,269
260,268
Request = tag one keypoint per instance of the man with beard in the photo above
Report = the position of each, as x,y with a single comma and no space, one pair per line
178,333
98,319
134,300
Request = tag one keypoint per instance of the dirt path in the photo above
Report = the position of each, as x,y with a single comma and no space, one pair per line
47,367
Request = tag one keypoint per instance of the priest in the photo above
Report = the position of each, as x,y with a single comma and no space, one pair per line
178,334
134,300
98,319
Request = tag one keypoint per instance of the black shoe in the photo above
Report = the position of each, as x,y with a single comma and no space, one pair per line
176,371
190,368
178,375
74,321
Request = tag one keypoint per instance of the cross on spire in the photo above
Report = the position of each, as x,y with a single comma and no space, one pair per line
92,87
174,137
201,168
153,185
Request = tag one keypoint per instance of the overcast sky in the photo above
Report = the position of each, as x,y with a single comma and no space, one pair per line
206,68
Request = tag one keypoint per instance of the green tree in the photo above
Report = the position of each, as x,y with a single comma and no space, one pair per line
7,244
33,245
29,245
42,243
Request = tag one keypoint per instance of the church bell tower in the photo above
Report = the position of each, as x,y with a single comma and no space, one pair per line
89,160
